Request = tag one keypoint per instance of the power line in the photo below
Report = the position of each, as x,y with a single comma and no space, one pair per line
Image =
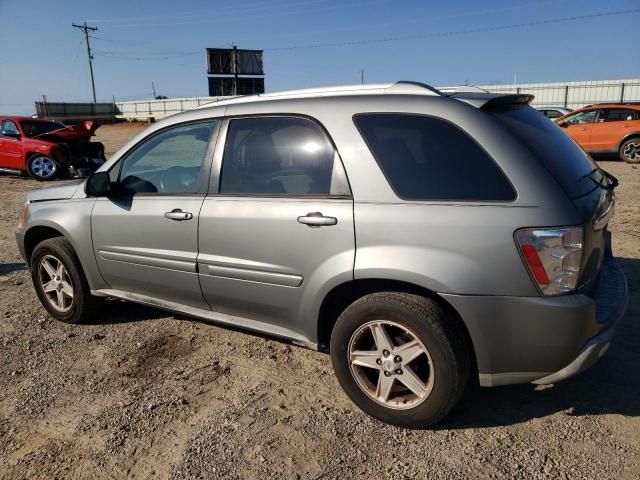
86,29
168,56
458,32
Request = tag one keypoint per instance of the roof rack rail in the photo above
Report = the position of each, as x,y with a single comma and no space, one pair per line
409,86
612,103
463,89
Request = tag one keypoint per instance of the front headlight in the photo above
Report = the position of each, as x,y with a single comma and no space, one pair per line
23,218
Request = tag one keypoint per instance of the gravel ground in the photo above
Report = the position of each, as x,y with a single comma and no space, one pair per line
145,394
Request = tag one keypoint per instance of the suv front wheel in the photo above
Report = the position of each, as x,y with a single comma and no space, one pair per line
60,282
400,358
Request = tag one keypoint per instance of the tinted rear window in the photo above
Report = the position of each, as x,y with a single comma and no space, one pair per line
563,157
426,158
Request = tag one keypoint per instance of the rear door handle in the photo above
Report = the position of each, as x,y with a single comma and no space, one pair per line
316,219
179,215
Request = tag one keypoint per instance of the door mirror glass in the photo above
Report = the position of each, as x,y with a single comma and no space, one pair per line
98,184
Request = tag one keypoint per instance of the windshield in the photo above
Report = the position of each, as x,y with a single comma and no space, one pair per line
33,128
571,166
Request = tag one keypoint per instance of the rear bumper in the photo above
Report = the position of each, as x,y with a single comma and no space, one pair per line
543,340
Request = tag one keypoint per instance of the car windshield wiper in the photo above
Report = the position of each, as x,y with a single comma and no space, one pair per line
610,185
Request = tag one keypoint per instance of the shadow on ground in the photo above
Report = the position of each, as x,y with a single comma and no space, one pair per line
6,268
611,386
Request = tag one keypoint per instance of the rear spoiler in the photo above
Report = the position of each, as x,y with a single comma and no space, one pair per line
491,101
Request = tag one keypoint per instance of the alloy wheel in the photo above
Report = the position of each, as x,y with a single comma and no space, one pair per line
56,283
44,167
390,364
631,151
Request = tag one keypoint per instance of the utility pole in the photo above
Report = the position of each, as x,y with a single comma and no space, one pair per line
235,70
86,31
154,89
362,75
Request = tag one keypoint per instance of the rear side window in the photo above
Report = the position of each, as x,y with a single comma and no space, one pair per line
616,115
282,156
426,158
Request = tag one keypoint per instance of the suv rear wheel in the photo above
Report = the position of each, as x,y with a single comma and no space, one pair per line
60,282
630,150
400,358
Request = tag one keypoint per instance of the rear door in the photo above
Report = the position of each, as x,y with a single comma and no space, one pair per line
280,227
145,235
579,126
10,146
610,127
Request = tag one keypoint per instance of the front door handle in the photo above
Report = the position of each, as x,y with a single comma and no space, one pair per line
316,219
179,215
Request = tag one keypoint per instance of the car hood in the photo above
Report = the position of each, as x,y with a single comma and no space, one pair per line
57,192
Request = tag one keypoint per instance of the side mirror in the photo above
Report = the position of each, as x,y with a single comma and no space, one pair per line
562,124
98,184
11,134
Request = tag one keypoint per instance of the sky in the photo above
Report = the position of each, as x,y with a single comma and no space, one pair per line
308,43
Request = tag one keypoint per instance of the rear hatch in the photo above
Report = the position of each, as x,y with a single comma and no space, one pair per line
589,187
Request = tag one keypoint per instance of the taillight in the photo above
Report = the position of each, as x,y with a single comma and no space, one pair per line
552,256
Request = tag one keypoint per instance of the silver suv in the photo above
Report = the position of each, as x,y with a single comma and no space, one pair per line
428,241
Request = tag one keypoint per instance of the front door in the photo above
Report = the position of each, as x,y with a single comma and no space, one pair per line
281,226
10,146
145,235
579,126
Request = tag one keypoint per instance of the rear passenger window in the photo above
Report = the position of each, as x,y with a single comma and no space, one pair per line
426,158
616,115
286,156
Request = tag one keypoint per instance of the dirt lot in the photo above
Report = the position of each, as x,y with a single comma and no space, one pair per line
144,394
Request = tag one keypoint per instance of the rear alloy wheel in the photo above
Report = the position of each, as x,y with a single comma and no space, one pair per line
630,150
401,358
42,167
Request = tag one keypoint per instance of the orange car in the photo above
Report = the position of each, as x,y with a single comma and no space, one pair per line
606,129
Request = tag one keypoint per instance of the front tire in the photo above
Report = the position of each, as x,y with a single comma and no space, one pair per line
60,282
400,358
43,168
630,150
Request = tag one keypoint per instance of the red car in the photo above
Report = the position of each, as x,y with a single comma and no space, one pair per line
47,150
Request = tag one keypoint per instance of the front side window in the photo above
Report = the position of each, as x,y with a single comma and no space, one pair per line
581,117
616,115
9,127
169,162
426,158
284,156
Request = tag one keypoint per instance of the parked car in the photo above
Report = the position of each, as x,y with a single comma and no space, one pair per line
47,150
553,112
424,240
606,129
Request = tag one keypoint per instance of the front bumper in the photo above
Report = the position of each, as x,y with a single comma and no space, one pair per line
20,242
543,339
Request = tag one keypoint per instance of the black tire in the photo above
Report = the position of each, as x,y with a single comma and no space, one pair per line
83,305
429,323
630,150
43,168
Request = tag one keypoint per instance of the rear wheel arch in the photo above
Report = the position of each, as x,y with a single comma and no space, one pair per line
343,295
627,137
